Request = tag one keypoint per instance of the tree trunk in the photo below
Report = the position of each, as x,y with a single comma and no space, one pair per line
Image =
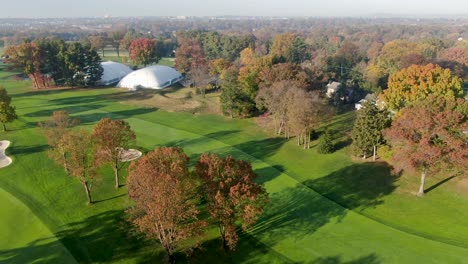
118,52
223,237
4,127
116,175
102,52
365,156
375,150
88,192
170,256
423,181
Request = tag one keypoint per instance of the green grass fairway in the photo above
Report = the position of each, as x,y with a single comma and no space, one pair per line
323,209
20,227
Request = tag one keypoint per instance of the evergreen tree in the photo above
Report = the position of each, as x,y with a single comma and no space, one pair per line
326,143
230,93
7,112
367,130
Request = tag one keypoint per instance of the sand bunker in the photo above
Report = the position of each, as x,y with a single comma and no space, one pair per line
4,160
130,154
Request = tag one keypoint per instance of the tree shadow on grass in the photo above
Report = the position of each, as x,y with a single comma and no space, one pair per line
248,250
95,117
19,150
433,187
73,109
211,136
360,185
41,92
263,148
368,259
300,210
102,238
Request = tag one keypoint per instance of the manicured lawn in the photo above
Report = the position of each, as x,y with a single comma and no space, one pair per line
323,209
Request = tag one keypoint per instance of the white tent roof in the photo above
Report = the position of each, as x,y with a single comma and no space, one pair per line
153,77
113,72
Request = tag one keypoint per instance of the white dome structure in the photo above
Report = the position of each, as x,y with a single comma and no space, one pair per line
113,72
153,77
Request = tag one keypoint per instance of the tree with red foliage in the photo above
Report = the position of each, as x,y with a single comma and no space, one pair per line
429,136
189,55
232,194
143,51
163,193
112,137
25,57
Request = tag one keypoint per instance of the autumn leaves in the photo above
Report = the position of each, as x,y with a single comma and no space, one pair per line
171,203
168,197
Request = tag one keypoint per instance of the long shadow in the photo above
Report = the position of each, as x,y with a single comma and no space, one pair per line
105,237
91,99
357,186
111,198
263,148
439,184
41,92
215,135
74,109
298,211
94,117
19,150
248,250
368,259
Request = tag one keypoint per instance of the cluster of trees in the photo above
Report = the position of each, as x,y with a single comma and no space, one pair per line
421,118
52,62
81,153
7,111
168,197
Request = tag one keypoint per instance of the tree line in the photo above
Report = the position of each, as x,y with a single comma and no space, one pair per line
51,62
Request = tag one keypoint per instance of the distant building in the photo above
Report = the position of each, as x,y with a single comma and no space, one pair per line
152,77
332,88
113,72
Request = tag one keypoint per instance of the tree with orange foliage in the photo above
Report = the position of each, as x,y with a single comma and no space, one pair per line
112,137
429,136
417,82
231,193
58,125
163,193
78,150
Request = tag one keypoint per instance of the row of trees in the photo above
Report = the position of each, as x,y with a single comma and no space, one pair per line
168,197
82,153
421,118
50,62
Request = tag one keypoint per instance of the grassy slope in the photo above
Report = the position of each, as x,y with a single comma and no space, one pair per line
300,224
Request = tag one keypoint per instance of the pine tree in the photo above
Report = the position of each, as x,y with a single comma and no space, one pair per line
326,143
367,131
7,111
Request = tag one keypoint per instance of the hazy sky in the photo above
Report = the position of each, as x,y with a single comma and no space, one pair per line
79,8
